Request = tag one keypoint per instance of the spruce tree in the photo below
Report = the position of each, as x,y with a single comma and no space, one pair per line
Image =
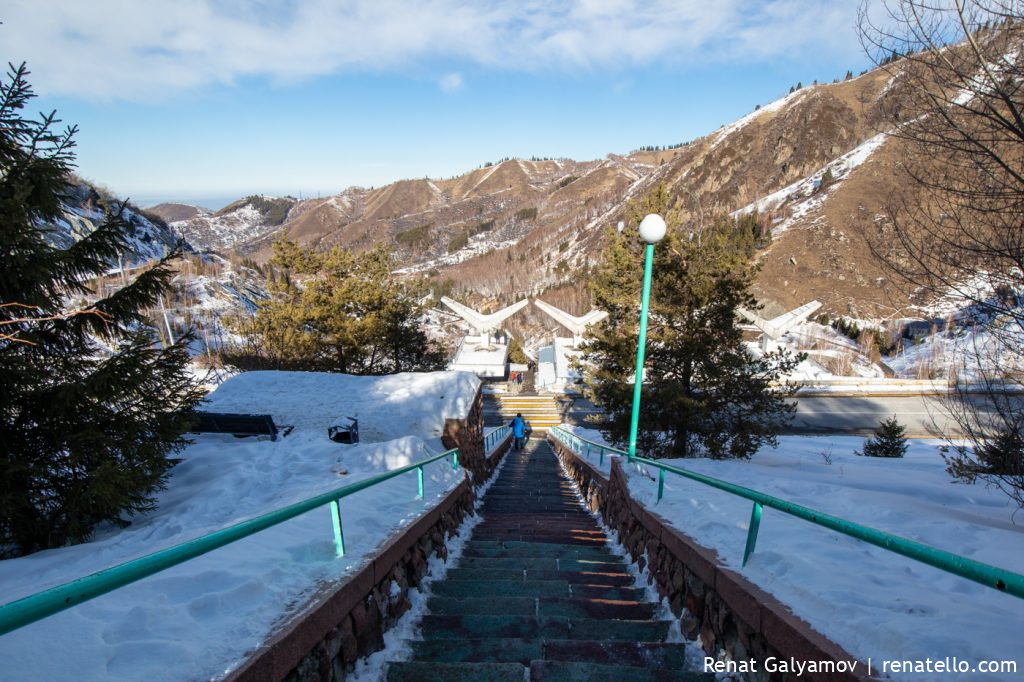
704,391
890,440
90,408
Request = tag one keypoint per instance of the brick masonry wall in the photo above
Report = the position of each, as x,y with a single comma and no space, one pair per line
714,604
346,622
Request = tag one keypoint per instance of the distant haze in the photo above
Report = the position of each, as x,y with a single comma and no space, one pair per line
215,203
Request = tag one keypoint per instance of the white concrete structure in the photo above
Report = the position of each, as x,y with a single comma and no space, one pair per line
554,371
577,325
484,324
776,327
554,362
483,355
483,359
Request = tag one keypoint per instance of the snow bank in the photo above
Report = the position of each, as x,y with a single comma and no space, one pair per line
198,620
874,603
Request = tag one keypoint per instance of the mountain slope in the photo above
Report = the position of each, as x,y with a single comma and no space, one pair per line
240,222
523,226
86,208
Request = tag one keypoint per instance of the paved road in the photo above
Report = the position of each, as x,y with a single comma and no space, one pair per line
921,415
841,414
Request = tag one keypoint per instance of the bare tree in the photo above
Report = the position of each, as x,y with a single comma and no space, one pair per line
955,227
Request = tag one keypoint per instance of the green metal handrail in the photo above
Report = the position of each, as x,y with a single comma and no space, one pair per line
37,606
496,436
984,574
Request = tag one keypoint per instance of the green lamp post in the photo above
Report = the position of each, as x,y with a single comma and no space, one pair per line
652,230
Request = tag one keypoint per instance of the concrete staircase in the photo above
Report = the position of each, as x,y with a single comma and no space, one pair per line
537,595
542,411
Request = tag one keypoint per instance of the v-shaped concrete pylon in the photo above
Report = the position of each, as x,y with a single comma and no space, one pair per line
577,325
484,324
777,326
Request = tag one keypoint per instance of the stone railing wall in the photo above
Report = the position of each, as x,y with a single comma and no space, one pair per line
346,622
468,436
714,604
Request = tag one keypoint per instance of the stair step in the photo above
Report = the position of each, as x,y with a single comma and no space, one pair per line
496,649
606,592
518,563
480,626
431,671
524,650
520,535
502,588
574,607
542,607
638,654
499,549
562,671
537,593
482,606
621,579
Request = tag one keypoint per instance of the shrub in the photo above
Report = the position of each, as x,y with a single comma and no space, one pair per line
526,214
457,242
890,440
416,235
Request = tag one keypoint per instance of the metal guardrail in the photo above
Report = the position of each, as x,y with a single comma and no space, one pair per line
981,573
496,436
35,607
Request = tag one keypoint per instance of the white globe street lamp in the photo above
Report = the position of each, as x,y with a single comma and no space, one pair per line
652,231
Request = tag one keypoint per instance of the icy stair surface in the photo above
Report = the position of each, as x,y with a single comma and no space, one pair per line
542,411
537,595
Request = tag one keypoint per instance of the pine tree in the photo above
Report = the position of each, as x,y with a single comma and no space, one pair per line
890,440
516,354
90,408
705,392
337,312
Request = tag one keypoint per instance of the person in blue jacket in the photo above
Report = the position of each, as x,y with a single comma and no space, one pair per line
519,431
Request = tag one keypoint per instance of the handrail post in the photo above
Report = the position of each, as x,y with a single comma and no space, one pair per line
755,523
602,456
455,460
419,480
661,484
588,449
339,537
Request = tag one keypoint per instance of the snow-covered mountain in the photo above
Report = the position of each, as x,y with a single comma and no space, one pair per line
816,164
813,163
86,208
243,221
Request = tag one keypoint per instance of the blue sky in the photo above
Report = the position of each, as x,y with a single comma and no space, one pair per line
209,100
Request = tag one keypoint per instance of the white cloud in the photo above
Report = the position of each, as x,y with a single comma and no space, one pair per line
127,49
450,82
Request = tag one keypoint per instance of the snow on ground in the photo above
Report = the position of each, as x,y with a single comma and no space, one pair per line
966,353
874,603
224,229
198,620
801,195
830,354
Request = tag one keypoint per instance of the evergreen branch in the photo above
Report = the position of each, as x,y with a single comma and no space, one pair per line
47,318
